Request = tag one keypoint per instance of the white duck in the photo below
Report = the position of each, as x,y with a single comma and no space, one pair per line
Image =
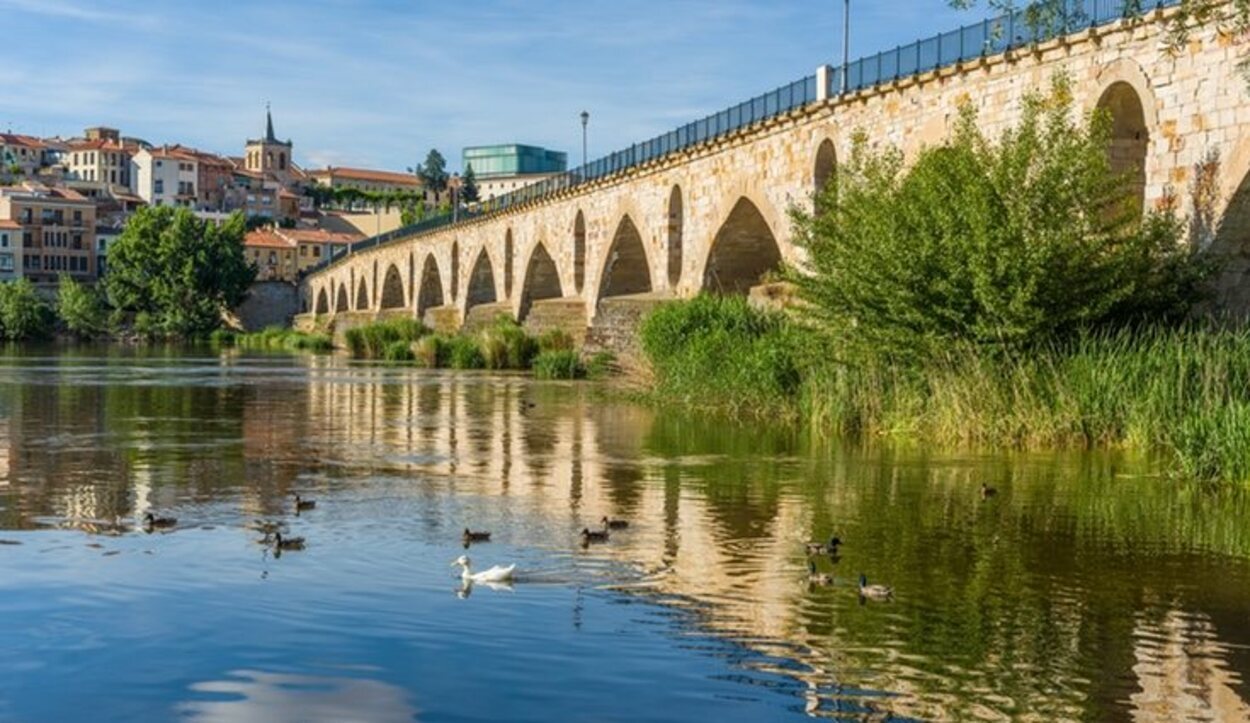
494,574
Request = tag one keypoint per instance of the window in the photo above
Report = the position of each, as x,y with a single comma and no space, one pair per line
78,218
4,240
158,164
27,240
273,258
159,186
78,241
6,262
303,250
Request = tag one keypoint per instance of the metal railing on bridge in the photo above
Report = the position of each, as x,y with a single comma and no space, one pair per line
1027,26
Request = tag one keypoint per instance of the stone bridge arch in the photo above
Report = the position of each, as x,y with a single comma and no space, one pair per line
676,234
744,249
362,295
825,167
541,280
340,303
323,302
392,289
481,286
430,294
1125,94
626,265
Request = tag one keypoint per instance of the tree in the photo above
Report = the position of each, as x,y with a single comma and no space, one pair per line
181,271
23,313
80,307
433,173
999,243
468,189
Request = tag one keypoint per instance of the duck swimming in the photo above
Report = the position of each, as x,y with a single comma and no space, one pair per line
495,574
987,491
614,524
302,504
589,535
821,548
152,522
287,543
817,578
471,536
876,592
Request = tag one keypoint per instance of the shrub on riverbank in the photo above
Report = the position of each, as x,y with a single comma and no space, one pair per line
273,338
371,341
719,352
558,364
505,345
80,308
23,313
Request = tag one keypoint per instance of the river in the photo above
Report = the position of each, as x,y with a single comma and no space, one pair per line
1089,588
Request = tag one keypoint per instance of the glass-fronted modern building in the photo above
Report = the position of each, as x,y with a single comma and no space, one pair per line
513,160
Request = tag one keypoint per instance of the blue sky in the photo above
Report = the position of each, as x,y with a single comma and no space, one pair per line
378,82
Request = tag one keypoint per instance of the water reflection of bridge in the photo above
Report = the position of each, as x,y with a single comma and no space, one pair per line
1065,599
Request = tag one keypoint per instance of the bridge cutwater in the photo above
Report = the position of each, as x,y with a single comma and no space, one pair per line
704,207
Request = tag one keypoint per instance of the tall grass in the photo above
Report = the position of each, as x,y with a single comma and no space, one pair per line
1184,392
719,352
274,338
372,341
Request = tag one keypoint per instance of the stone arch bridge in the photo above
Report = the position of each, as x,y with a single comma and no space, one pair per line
705,208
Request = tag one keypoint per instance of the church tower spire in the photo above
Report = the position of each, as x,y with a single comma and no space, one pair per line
269,136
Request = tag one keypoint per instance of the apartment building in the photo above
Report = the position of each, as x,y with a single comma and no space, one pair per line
23,153
57,231
10,250
167,176
103,156
273,255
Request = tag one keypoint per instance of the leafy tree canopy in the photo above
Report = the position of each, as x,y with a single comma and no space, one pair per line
181,271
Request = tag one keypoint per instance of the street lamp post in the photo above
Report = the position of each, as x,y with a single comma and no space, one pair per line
585,122
846,42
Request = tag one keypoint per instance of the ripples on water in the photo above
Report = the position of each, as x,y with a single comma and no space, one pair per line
1089,589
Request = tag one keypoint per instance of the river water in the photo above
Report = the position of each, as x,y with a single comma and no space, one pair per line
1088,588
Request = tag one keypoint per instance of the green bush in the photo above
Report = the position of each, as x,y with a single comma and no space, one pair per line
371,341
464,353
399,351
563,364
223,337
431,351
1003,243
146,325
720,351
505,345
80,308
277,338
23,313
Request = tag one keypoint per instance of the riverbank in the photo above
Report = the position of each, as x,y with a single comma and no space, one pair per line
1182,392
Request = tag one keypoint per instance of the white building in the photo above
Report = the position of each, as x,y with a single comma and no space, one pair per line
166,176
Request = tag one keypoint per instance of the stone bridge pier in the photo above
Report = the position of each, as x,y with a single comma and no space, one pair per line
593,257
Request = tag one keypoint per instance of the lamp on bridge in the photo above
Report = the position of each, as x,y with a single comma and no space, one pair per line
585,122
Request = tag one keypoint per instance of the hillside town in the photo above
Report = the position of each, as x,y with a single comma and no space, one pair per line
63,201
